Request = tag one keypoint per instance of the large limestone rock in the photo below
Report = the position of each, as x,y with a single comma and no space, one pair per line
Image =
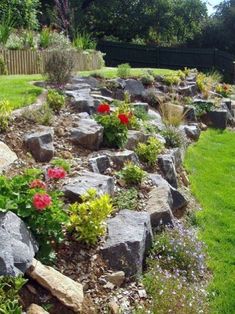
134,138
7,157
85,181
218,118
167,166
134,87
36,309
17,245
128,240
40,144
99,164
66,290
88,134
121,157
192,131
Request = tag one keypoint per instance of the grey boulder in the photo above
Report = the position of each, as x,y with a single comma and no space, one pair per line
86,180
7,156
99,164
134,87
40,144
167,167
88,134
134,138
128,240
17,245
121,157
192,131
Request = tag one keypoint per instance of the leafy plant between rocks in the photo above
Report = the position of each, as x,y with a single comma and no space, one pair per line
9,294
55,100
132,174
148,152
87,219
126,199
60,162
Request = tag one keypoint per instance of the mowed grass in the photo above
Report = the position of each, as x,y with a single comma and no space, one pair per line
19,90
134,72
211,164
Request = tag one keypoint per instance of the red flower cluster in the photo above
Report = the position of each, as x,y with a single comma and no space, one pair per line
37,184
56,173
41,201
103,108
124,119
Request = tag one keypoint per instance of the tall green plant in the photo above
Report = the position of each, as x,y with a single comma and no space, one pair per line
6,25
84,41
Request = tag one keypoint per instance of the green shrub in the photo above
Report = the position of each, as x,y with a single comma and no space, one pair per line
9,294
3,67
55,100
17,196
14,42
84,41
59,162
59,66
148,152
132,174
124,70
126,199
174,137
58,41
29,39
115,133
202,108
87,219
147,79
5,114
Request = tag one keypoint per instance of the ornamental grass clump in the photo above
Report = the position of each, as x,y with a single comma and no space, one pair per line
115,126
87,219
174,137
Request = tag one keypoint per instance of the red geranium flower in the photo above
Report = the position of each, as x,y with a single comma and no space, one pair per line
123,118
56,173
41,201
103,108
37,184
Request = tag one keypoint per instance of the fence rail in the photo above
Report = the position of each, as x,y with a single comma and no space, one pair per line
172,58
32,62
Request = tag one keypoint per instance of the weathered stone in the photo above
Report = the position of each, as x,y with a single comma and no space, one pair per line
121,157
158,206
17,245
102,98
166,195
7,157
116,278
86,180
36,309
141,106
83,115
160,138
134,138
114,307
167,166
190,113
128,240
106,92
189,90
192,131
99,164
66,290
177,155
40,144
88,134
89,80
81,100
218,118
156,119
134,87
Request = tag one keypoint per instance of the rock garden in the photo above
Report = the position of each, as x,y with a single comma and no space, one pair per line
94,200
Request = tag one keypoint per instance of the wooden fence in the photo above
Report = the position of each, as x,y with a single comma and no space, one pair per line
171,58
32,62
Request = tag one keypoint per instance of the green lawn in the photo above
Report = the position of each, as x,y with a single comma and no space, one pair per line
135,72
18,90
211,163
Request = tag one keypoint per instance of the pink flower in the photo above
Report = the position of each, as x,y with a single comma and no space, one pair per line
37,184
41,201
123,118
56,173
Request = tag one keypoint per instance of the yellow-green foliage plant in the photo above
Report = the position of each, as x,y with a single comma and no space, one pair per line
148,152
132,174
87,219
5,114
55,100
